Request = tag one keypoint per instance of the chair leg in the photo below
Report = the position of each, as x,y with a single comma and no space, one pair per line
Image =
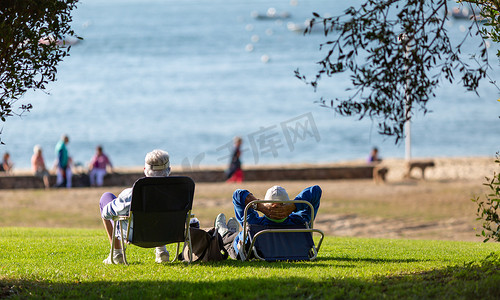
187,240
313,253
177,252
123,246
241,251
113,236
190,246
121,242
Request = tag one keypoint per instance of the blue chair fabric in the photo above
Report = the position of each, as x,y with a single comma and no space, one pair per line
277,246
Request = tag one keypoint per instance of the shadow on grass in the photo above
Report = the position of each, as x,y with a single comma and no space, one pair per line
374,260
296,264
470,281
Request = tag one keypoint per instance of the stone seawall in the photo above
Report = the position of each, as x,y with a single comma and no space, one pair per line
127,178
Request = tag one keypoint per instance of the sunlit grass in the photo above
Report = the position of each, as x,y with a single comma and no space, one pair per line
67,263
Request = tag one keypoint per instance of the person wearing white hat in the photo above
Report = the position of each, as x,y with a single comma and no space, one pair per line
285,214
156,164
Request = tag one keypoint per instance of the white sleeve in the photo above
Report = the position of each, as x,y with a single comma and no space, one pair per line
120,206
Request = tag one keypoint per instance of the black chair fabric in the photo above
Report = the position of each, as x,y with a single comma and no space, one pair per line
159,209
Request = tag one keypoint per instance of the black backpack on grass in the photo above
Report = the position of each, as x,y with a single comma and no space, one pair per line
207,245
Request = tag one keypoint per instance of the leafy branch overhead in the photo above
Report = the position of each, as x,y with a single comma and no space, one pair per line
396,54
32,35
489,10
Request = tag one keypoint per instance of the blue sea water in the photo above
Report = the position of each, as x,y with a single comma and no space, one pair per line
179,76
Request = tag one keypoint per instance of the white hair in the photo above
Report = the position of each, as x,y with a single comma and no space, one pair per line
36,149
157,164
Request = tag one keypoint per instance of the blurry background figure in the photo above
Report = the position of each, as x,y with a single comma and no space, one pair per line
374,157
38,166
235,173
98,166
64,174
7,164
379,171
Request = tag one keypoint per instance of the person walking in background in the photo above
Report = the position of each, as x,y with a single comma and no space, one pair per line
64,174
38,166
7,164
98,165
235,173
374,157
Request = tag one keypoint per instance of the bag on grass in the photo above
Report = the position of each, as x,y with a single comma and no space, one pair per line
207,246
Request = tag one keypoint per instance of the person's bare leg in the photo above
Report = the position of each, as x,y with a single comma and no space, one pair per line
46,182
109,230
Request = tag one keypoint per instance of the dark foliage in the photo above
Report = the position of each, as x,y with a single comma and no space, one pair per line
396,53
32,43
489,11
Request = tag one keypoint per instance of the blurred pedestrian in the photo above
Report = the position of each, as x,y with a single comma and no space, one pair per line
64,174
98,167
374,156
7,164
38,166
234,172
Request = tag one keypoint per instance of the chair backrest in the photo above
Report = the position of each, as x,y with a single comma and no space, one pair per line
160,210
273,244
281,242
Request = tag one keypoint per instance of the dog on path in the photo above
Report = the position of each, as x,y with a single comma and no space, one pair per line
422,165
379,174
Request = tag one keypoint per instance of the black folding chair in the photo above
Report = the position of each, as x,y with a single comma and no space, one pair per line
280,242
160,212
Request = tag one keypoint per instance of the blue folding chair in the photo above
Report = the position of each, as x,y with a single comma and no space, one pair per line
280,242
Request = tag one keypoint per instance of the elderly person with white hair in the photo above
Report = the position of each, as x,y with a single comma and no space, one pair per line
157,164
38,166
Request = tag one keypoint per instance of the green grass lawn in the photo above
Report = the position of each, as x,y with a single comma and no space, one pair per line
67,263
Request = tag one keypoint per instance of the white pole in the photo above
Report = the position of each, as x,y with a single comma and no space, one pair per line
407,122
407,140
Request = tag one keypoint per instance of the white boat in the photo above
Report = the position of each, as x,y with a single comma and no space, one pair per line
301,27
464,13
271,14
61,43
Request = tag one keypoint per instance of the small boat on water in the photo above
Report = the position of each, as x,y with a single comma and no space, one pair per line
301,27
61,43
464,13
271,14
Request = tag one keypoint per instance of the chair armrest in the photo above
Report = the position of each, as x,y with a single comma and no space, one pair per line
116,219
120,218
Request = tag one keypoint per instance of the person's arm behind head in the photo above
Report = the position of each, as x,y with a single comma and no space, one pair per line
312,195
